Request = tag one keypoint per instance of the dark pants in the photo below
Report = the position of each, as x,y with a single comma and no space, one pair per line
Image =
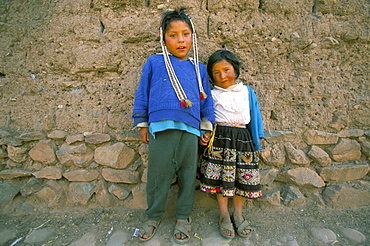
172,153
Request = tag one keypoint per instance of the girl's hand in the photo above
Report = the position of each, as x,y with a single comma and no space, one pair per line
144,134
262,142
204,139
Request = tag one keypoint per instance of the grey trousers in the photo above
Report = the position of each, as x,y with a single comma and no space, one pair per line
172,153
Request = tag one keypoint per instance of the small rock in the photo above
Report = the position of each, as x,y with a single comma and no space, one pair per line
97,138
32,186
329,43
57,134
14,173
87,239
292,196
270,198
296,156
354,235
44,152
103,196
324,235
291,241
4,133
319,155
3,154
11,141
273,155
81,175
17,154
302,177
75,138
119,191
345,150
7,192
39,235
215,239
6,235
120,176
51,172
80,193
127,136
118,238
118,155
32,136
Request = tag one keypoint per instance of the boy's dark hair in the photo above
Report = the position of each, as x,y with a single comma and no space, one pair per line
223,55
174,15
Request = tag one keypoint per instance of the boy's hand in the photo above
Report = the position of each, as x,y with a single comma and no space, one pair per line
144,135
204,139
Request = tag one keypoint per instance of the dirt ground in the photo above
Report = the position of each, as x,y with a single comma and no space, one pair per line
272,226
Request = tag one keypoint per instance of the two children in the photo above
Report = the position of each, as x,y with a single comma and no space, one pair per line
173,104
174,108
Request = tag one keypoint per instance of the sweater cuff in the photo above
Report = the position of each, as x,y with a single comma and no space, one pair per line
205,124
142,124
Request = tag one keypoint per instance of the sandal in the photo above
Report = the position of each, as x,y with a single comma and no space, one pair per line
243,227
184,228
146,229
226,226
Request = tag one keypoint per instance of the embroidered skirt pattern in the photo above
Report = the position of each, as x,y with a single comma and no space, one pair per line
230,166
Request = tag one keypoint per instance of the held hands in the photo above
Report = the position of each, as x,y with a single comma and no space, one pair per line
204,139
144,135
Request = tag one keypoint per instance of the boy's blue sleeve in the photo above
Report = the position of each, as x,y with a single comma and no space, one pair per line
140,111
206,105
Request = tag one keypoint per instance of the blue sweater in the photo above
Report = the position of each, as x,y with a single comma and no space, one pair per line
256,124
156,99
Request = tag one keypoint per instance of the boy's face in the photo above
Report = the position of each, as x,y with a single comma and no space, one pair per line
178,39
223,74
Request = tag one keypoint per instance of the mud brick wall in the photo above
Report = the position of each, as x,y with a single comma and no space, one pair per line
69,71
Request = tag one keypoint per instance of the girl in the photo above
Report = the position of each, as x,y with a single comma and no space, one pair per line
172,107
230,166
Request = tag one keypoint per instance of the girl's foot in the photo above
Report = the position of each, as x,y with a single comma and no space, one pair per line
242,226
226,227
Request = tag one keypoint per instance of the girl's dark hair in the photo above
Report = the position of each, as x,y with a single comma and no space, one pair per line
223,55
174,15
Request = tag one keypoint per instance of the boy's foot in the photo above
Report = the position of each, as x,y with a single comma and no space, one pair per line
226,228
182,231
148,230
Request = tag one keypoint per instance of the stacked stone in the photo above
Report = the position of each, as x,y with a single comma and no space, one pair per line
58,169
331,168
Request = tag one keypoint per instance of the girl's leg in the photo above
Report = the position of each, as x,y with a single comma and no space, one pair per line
238,213
223,205
224,215
238,207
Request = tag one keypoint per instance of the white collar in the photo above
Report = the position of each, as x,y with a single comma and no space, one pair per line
237,87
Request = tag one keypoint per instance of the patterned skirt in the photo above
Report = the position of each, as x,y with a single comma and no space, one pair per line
229,165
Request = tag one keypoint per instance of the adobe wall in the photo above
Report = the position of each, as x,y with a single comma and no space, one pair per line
69,71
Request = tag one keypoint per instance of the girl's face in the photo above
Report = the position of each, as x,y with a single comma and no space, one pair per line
223,74
178,39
